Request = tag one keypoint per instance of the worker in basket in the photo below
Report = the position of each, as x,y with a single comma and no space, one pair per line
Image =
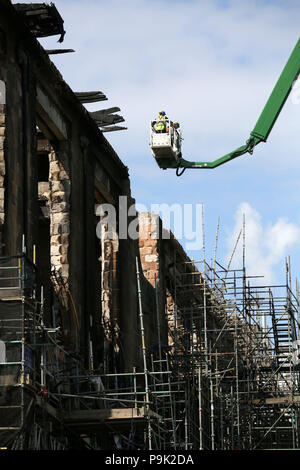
160,122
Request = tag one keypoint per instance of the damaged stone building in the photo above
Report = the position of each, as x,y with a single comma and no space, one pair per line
109,341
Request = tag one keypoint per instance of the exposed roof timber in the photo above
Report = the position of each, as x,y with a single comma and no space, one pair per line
113,128
107,119
99,114
42,19
58,51
90,96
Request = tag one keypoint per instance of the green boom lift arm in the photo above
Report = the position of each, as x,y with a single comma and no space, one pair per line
265,122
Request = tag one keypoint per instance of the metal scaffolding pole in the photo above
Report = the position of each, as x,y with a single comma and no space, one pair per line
147,398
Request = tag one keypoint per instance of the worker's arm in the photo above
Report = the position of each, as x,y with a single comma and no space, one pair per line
266,120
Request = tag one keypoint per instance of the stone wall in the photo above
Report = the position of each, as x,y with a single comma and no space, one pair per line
154,289
149,225
110,290
59,204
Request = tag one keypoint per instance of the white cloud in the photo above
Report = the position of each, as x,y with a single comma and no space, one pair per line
266,244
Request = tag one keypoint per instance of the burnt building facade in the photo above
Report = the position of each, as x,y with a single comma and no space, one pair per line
110,335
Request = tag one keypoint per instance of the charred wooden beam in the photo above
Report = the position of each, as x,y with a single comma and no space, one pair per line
103,112
113,128
90,96
108,119
58,51
42,19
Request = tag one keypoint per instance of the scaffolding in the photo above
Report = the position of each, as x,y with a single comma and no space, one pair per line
227,379
237,347
33,365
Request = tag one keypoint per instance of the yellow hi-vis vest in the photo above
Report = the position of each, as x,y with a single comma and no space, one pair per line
160,123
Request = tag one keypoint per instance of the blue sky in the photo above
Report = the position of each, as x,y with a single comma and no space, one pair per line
211,65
